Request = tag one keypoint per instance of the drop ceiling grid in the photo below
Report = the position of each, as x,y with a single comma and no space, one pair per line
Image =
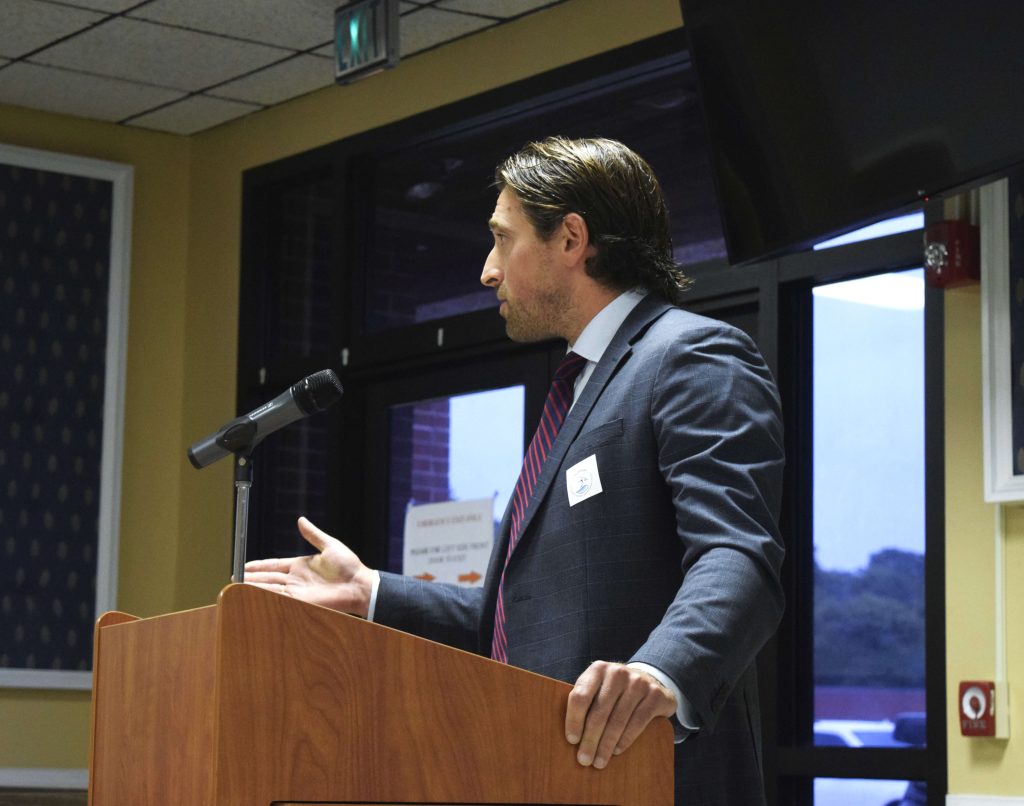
186,65
71,93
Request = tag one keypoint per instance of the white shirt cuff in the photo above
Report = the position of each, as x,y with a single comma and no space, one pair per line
685,714
374,587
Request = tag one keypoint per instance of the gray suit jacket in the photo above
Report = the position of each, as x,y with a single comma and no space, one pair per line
676,563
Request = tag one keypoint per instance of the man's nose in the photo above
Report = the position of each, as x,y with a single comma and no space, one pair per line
491,275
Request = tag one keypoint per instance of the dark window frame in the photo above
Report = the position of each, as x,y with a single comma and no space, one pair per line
363,359
794,758
777,291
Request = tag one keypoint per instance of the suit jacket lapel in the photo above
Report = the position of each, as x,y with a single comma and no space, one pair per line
635,325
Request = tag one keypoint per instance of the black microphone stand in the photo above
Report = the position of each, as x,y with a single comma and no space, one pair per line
241,436
243,484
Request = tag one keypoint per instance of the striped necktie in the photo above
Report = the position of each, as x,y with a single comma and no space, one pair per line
556,406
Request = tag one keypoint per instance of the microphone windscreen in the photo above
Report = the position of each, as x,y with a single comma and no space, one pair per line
317,391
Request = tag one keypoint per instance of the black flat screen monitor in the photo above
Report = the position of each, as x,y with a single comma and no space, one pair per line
824,117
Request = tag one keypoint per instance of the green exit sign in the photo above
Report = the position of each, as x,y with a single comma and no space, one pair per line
365,38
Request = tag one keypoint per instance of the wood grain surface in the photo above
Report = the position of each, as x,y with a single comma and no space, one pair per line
264,699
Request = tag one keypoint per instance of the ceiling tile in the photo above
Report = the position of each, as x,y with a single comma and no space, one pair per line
193,115
239,54
280,82
113,6
68,93
297,24
497,8
426,27
29,24
157,54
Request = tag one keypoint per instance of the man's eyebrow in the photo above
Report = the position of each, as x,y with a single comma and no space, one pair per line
494,224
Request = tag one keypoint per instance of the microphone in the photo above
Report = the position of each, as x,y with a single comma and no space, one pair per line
310,395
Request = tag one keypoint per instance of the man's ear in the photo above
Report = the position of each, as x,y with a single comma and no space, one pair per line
576,238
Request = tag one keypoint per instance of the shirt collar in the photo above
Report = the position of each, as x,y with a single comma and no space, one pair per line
600,330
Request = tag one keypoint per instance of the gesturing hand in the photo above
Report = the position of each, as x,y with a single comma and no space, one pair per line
333,577
609,707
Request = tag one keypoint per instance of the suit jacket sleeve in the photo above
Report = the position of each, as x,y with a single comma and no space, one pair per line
444,613
716,420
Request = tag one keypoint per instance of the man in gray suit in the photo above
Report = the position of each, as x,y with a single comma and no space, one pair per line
639,558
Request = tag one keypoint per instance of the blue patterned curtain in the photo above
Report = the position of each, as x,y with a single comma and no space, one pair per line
54,279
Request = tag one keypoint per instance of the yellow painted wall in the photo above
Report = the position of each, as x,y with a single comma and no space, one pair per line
977,766
176,522
50,729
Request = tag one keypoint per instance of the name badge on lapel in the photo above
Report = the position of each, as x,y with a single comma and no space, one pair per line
582,481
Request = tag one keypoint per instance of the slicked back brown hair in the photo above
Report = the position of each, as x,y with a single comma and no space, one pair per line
616,193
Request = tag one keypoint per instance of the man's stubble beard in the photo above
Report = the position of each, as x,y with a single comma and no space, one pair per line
543,321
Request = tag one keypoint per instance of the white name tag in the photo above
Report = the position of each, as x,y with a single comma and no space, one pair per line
582,481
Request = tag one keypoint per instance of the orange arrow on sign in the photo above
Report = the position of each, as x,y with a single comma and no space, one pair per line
471,577
426,576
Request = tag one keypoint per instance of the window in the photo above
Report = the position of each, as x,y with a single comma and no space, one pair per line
865,792
426,237
869,501
868,521
861,648
364,256
447,449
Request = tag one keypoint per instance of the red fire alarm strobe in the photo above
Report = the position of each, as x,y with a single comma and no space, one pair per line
978,708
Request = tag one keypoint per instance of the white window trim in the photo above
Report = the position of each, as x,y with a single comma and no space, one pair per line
1001,483
43,778
122,179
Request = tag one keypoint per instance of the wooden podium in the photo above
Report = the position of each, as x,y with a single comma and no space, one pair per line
261,699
